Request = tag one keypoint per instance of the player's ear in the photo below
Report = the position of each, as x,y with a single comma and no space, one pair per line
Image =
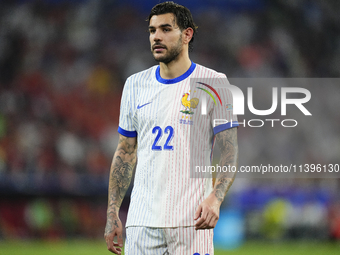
187,35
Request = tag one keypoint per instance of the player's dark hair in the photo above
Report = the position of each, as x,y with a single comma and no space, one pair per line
182,15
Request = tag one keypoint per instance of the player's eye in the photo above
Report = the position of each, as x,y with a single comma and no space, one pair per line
152,31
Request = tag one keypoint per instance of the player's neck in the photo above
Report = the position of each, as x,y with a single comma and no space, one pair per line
175,68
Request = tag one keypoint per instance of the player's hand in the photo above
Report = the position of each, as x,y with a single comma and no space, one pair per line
207,213
114,229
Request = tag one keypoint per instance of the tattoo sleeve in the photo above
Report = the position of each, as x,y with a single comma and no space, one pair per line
227,141
123,163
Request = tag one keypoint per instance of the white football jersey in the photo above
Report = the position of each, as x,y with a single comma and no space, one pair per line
172,134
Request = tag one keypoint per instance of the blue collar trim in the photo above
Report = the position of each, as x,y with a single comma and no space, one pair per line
177,79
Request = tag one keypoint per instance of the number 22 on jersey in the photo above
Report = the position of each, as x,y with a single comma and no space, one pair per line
158,130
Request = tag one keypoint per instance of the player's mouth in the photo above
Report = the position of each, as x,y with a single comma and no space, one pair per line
158,48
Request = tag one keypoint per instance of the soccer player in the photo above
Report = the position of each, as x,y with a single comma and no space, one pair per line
170,212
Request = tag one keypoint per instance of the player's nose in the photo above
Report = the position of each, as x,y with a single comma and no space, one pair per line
157,36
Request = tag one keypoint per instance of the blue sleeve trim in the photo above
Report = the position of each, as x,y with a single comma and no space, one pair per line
177,79
222,127
127,133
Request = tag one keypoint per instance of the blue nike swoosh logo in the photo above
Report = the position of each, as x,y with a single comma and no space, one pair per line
138,107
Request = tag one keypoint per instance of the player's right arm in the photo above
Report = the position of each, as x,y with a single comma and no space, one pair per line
123,163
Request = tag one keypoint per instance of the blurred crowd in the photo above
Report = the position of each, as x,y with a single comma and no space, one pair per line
63,65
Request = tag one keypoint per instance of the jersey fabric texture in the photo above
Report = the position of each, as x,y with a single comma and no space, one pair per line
171,135
162,241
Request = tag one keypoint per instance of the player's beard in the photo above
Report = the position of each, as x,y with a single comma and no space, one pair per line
171,54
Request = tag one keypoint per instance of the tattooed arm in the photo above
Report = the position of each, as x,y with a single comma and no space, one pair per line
227,141
209,210
123,163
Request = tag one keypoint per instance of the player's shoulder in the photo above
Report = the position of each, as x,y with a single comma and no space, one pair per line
146,74
207,72
134,81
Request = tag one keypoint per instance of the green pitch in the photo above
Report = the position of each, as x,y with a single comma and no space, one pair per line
87,247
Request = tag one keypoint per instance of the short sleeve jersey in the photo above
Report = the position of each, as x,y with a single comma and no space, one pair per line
172,133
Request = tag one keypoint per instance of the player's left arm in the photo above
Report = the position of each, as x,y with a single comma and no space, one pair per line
209,210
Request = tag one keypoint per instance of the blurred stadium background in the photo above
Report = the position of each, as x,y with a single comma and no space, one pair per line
62,69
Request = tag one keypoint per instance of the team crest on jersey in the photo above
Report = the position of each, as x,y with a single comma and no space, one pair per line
189,106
